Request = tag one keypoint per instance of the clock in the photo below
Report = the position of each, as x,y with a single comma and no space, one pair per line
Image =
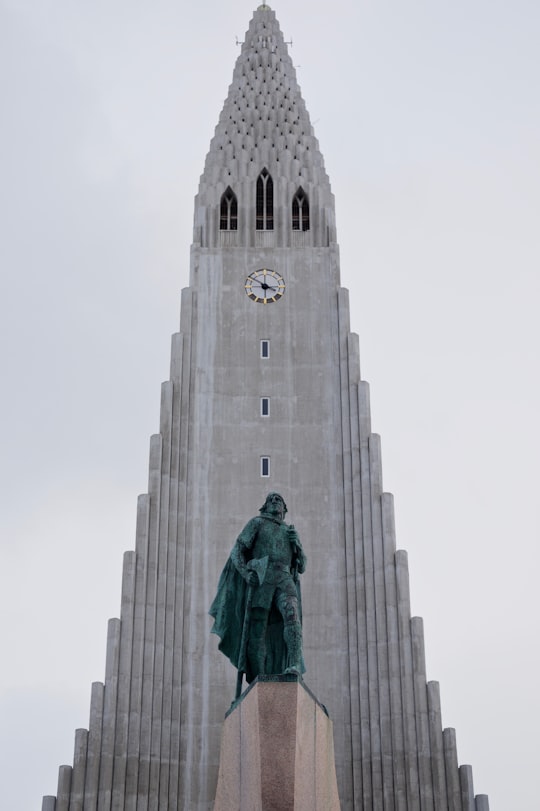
264,286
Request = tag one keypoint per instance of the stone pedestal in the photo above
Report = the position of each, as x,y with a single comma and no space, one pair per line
277,751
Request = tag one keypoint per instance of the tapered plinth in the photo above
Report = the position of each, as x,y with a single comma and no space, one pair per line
277,751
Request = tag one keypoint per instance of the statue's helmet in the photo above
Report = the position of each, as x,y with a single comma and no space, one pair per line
271,497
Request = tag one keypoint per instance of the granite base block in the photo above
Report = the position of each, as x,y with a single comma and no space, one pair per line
277,751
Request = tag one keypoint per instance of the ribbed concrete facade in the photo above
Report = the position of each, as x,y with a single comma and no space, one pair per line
155,724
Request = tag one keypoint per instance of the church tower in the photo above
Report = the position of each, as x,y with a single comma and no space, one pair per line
264,394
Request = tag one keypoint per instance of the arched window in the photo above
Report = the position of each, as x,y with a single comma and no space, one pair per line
265,202
228,216
300,211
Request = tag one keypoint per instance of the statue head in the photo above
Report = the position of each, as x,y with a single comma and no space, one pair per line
274,505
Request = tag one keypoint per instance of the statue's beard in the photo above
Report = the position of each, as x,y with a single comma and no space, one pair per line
273,513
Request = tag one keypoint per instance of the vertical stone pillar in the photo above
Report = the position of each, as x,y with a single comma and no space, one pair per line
467,789
79,770
64,788
453,787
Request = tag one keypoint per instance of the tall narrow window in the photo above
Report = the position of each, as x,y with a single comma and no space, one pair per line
300,211
265,202
265,406
265,466
228,214
265,348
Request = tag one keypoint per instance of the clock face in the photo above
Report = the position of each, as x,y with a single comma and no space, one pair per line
264,286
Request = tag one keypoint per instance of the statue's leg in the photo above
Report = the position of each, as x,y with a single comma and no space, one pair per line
287,603
293,639
256,648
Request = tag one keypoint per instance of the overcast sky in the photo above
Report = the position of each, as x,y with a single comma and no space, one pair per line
428,117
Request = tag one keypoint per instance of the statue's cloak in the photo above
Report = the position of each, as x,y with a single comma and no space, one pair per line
229,611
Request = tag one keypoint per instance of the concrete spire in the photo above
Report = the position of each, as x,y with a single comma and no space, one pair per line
264,124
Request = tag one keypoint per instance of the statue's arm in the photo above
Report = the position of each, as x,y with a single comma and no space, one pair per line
244,542
299,557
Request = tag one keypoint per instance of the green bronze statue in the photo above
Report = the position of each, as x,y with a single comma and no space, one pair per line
257,610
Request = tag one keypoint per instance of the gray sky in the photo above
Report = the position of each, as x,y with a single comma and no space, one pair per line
427,114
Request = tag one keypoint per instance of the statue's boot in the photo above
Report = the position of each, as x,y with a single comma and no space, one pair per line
292,634
256,648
